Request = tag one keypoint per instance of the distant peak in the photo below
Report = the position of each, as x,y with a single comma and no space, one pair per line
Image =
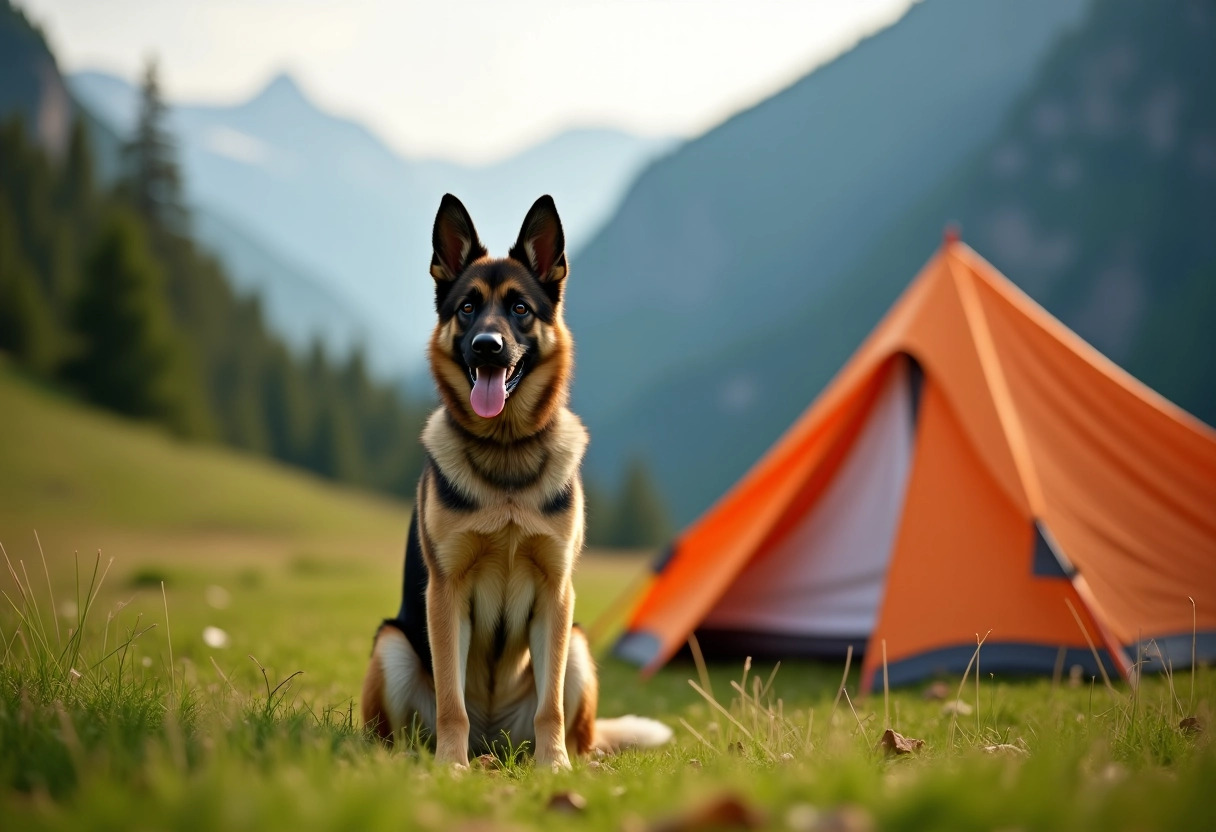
283,90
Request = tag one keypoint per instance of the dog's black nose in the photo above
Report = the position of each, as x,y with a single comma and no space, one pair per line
487,343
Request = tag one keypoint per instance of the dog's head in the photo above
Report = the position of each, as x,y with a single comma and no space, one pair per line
500,352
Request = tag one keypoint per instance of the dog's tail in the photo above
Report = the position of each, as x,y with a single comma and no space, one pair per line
612,735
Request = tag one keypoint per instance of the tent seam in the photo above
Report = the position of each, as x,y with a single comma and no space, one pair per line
1002,398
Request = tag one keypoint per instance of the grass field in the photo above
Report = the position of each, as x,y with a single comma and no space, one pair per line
118,714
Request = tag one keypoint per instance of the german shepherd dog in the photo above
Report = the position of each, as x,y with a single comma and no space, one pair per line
483,647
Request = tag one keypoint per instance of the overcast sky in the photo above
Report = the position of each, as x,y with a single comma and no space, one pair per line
472,80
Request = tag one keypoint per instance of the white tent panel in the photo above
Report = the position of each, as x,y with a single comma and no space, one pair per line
826,578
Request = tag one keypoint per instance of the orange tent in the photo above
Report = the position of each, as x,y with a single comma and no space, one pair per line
975,468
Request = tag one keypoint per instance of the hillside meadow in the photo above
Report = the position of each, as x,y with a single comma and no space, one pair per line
184,651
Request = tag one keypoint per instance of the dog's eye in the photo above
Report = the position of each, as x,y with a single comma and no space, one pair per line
520,309
467,309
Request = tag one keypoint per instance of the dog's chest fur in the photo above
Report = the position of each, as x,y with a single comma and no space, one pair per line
507,494
502,522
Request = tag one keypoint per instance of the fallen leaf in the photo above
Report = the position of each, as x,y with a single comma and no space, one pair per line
1191,725
893,744
568,802
937,690
727,812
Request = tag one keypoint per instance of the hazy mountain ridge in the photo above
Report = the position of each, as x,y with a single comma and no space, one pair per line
766,212
298,306
326,193
1096,195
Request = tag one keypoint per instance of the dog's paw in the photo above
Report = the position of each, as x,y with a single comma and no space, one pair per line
453,760
555,761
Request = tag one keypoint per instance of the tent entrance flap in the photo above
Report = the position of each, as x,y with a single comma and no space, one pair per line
823,581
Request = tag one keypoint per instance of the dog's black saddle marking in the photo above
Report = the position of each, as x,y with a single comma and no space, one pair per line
411,618
449,495
560,501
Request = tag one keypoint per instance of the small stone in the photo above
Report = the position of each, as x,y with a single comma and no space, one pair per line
216,638
957,707
845,819
486,762
802,817
571,803
1006,749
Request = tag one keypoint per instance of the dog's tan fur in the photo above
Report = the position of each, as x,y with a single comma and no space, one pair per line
499,597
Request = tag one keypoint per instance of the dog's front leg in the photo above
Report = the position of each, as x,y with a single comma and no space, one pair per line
549,641
449,631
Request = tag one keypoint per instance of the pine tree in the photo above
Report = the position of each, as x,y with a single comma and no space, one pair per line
336,452
289,412
640,518
26,324
129,360
77,191
153,177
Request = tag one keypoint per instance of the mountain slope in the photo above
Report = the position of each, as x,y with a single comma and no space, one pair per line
771,209
326,193
30,82
1097,196
298,306
68,465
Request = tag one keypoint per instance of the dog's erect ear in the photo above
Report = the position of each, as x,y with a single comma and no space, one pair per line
454,240
542,245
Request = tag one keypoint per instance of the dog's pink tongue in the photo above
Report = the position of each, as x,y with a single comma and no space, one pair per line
489,394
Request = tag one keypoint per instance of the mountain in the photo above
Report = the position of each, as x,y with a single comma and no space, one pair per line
326,193
30,83
300,307
1096,194
772,208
